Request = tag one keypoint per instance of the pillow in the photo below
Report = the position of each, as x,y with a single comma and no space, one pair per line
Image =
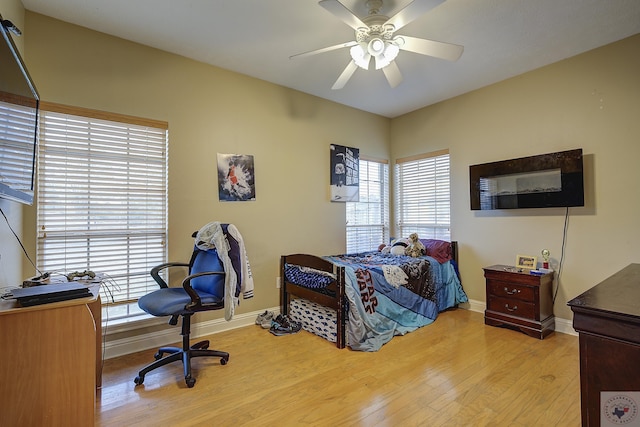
307,277
440,250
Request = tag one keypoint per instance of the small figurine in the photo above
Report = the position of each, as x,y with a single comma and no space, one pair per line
545,256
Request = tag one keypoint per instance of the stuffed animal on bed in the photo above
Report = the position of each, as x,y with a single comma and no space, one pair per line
411,246
415,247
397,247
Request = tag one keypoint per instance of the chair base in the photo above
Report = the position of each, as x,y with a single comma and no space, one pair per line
185,354
175,354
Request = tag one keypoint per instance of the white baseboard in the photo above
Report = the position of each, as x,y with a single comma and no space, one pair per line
473,305
563,326
120,347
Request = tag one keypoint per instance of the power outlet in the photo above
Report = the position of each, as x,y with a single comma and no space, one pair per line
278,282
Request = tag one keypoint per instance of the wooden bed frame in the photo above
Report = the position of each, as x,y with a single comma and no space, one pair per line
334,298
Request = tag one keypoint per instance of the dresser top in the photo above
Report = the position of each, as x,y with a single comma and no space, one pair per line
619,294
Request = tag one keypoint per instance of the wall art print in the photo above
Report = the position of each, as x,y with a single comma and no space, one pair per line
345,174
236,178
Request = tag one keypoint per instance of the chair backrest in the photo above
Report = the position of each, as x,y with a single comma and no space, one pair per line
208,260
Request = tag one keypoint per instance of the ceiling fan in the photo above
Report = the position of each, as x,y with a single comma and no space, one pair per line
375,37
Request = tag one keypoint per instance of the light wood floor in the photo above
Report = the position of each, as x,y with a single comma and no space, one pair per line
456,371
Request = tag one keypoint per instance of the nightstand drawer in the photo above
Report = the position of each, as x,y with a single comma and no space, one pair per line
511,290
512,307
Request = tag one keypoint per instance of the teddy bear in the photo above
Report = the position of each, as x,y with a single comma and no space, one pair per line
415,247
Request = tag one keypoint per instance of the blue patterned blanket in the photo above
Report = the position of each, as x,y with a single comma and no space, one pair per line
381,306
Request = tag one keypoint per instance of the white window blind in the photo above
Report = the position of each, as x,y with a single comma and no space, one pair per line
423,199
16,160
102,198
368,219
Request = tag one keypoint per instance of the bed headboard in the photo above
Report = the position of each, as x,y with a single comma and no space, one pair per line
309,260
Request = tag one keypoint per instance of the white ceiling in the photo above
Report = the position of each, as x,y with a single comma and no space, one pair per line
502,38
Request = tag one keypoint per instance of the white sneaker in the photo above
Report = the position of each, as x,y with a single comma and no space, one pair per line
264,319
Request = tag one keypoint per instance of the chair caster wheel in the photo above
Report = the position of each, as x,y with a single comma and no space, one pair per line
138,380
190,381
157,356
224,360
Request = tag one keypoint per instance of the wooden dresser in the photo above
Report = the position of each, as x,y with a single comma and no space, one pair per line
519,300
607,319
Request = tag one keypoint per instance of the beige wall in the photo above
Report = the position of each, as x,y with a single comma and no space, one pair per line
209,111
591,101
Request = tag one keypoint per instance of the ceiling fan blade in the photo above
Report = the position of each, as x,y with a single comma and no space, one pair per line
448,51
393,74
412,11
345,76
324,49
342,13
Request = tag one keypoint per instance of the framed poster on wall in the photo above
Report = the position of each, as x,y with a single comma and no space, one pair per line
345,174
236,177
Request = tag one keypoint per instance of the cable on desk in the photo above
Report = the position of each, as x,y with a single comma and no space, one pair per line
108,283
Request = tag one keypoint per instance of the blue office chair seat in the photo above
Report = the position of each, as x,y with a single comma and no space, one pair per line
172,301
202,290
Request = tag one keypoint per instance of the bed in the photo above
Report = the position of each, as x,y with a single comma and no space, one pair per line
363,300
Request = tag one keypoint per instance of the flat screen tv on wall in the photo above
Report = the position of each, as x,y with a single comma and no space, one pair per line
543,181
19,105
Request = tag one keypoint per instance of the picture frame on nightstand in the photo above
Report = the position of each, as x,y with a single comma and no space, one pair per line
526,262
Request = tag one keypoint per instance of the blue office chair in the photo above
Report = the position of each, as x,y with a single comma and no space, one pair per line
202,290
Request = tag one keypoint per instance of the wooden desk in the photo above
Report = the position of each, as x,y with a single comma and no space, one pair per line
607,319
51,362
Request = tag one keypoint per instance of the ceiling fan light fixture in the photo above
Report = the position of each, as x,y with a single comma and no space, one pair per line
389,54
360,56
381,62
391,51
376,46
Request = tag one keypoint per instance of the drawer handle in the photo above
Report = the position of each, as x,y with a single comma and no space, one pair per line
512,292
515,307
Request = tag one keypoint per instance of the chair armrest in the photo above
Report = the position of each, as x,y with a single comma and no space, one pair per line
196,302
156,270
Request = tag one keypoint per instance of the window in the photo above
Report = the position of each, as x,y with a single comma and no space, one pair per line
368,219
423,200
102,199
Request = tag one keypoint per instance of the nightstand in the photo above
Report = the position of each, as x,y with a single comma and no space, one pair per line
519,300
